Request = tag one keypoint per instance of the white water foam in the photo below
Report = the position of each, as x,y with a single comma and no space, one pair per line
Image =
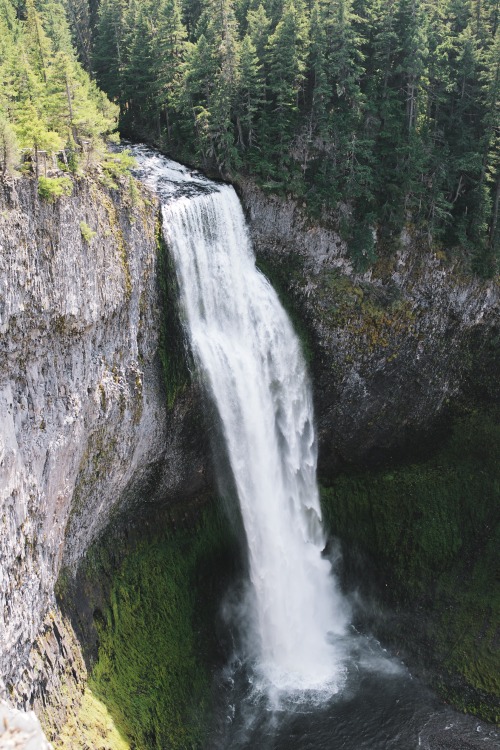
251,362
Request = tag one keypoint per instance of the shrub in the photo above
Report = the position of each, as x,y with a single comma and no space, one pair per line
86,231
50,188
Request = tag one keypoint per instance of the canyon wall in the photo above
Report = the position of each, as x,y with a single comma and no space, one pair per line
391,347
86,427
96,426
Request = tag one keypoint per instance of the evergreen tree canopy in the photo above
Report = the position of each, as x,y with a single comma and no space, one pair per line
382,112
47,101
389,107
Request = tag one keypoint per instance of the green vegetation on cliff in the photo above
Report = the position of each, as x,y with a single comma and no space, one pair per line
431,531
156,630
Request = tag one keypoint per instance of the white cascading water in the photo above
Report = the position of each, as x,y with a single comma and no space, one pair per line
253,368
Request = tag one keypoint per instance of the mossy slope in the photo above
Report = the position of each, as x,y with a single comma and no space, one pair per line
92,727
431,532
156,639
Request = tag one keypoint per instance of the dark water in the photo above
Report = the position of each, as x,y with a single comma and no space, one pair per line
380,707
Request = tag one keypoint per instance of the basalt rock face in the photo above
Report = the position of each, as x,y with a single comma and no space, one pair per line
390,347
86,430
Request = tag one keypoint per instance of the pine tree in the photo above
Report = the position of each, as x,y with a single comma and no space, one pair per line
218,79
169,54
250,95
321,86
258,27
82,27
107,58
138,75
288,51
489,182
199,75
463,131
37,43
33,132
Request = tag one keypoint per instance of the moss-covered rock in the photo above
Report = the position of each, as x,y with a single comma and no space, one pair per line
147,603
430,531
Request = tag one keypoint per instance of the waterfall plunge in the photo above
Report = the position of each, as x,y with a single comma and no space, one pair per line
253,368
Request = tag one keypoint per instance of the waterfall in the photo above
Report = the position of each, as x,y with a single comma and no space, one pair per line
251,362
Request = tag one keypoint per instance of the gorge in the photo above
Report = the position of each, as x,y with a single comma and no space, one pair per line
101,446
249,449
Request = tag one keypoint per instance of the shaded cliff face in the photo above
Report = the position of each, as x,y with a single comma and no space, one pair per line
83,406
390,347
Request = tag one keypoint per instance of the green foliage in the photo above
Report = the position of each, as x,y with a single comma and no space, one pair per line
51,188
86,231
115,165
47,100
151,671
92,726
392,108
8,147
432,531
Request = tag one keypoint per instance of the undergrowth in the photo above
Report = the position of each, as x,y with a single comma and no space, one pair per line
155,636
431,531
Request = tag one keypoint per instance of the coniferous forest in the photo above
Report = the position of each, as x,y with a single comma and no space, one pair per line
48,103
381,114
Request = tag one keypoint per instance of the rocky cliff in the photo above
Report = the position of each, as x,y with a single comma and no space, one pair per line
86,431
390,347
92,431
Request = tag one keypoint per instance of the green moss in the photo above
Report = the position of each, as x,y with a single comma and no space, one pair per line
153,667
375,318
467,627
92,727
86,232
418,517
432,532
134,194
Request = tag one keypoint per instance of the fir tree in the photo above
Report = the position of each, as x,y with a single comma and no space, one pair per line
288,50
169,53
